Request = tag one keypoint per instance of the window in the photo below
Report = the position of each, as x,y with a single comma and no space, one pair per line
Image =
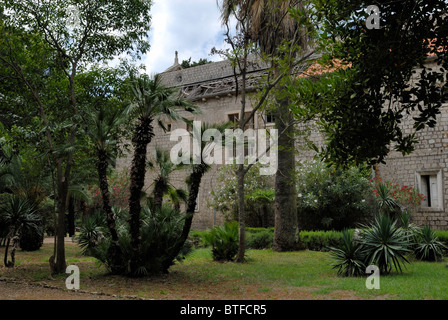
249,136
168,127
270,118
429,183
234,118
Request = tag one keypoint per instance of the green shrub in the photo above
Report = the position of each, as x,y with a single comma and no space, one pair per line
32,239
331,198
262,239
224,241
321,240
159,232
256,230
348,259
196,238
92,232
442,236
428,247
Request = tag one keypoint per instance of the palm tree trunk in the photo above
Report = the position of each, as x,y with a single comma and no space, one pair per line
114,250
142,137
158,194
285,206
193,191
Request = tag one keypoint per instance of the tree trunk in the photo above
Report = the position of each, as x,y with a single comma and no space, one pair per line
5,260
241,215
60,264
142,137
158,194
285,204
71,217
114,249
15,244
193,191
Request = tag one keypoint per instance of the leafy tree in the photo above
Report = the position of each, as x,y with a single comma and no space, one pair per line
380,75
188,64
104,30
259,195
268,25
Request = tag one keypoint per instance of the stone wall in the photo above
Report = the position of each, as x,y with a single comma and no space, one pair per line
429,158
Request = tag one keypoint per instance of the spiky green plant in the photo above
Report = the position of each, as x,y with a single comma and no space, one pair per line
385,245
224,241
348,259
428,247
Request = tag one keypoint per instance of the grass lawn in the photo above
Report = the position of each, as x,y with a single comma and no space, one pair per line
266,275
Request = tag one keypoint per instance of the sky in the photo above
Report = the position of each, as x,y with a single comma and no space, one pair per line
191,27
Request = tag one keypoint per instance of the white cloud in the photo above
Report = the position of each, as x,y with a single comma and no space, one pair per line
191,27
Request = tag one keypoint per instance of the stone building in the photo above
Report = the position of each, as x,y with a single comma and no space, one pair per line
212,89
426,168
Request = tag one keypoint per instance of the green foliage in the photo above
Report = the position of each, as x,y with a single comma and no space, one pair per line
119,183
428,247
196,237
32,239
160,232
321,240
442,236
224,241
348,258
260,240
189,64
92,232
385,245
330,197
392,199
18,216
371,92
259,195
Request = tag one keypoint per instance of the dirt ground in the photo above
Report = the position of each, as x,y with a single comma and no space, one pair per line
24,291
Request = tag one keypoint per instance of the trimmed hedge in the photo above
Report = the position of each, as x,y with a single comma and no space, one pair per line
442,236
321,240
262,238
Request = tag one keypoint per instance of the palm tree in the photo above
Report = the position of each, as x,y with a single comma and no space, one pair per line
17,216
103,131
269,25
151,100
194,182
162,185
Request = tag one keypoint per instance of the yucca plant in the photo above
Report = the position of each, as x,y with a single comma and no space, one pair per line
428,247
348,259
17,215
385,245
224,241
385,201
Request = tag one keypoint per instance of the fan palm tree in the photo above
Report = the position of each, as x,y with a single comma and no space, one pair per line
269,25
162,186
194,179
103,131
152,101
